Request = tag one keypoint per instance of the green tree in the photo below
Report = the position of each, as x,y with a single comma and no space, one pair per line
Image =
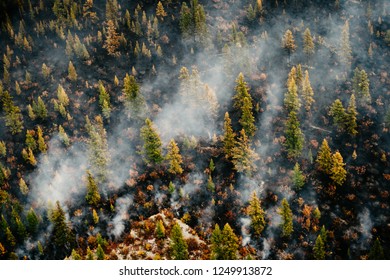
308,45
179,248
361,86
337,111
247,120
338,172
298,178
243,157
174,158
62,238
287,218
32,222
75,256
93,196
324,158
104,101
345,48
30,141
228,140
193,22
13,116
319,249
39,109
256,213
294,136
132,96
242,92
224,244
41,141
152,148
23,187
376,251
160,230
291,99
100,253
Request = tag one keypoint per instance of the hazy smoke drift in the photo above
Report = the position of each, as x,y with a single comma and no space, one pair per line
122,206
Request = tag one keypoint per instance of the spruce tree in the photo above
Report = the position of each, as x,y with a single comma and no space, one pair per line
319,249
174,158
152,148
308,45
361,86
350,117
287,218
376,251
132,96
72,75
243,157
228,137
41,141
291,99
337,111
307,92
294,136
288,42
216,244
324,158
100,253
179,248
32,222
160,230
93,196
345,48
104,101
256,213
298,178
39,109
242,92
111,44
338,172
230,243
30,141
247,120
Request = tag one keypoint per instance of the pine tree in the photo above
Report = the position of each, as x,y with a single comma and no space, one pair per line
152,148
307,92
23,187
75,256
216,244
345,51
308,45
319,249
361,86
179,248
160,12
324,158
40,141
100,253
112,42
160,230
62,96
13,116
243,157
247,119
287,218
32,222
93,196
63,136
242,92
72,75
291,100
89,256
95,216
288,42
39,109
61,236
174,158
338,173
337,111
132,96
104,101
294,136
298,178
30,141
350,117
228,137
376,251
256,213
230,243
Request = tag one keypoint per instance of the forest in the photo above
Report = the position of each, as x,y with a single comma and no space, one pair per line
205,130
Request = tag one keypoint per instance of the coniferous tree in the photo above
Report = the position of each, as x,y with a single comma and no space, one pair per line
72,74
288,42
32,222
93,196
291,100
216,244
193,22
247,120
376,251
345,48
23,186
256,213
160,230
307,92
62,238
230,243
350,117
324,158
100,253
39,109
41,141
104,101
174,158
243,157
13,116
152,148
132,96
294,136
337,111
361,86
111,44
338,172
308,45
30,141
287,218
160,12
319,249
298,178
179,248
